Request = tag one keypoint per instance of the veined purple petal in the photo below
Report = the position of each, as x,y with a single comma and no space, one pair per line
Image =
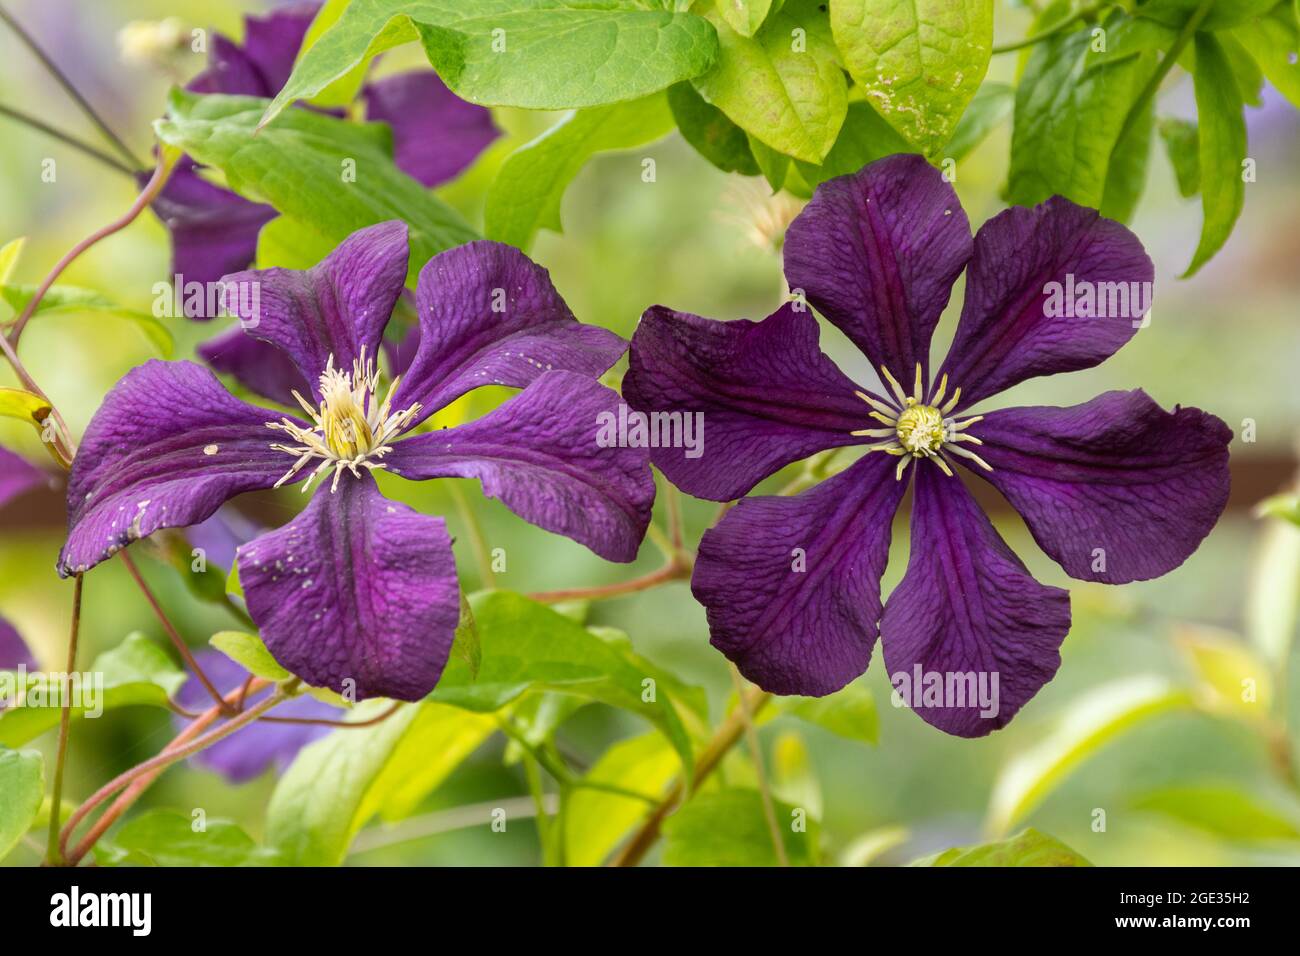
765,394
17,476
966,614
248,752
489,315
259,366
1116,489
436,134
213,230
339,307
14,652
1031,265
167,447
541,454
356,593
263,64
792,585
877,253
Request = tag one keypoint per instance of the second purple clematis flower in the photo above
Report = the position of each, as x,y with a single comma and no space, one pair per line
1115,490
357,591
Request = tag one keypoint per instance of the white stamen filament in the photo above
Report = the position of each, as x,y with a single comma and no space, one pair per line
920,429
352,428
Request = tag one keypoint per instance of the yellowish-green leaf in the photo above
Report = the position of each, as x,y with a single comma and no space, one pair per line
1233,679
1029,848
10,253
597,820
1223,810
248,651
24,406
1273,592
1087,724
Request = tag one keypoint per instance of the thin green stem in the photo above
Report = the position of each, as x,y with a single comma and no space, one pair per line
477,540
1166,64
70,89
756,754
1055,29
52,855
66,138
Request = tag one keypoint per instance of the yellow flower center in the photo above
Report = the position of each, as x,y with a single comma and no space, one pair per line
352,427
916,427
920,429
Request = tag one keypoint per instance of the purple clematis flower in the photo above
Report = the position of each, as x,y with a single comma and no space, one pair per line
436,136
246,754
14,652
358,588
1115,490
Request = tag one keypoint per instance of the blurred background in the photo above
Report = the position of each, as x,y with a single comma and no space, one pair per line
1227,341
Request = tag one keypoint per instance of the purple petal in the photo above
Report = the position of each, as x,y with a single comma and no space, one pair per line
249,751
14,652
263,64
436,134
489,315
17,476
877,253
1116,489
764,391
792,585
968,612
1008,330
541,455
259,366
213,232
357,593
221,535
167,447
339,307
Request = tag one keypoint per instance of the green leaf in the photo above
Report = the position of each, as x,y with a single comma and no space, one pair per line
1284,506
1029,848
794,779
248,651
1090,722
137,671
745,16
65,299
1272,42
537,54
864,138
784,85
849,713
465,646
1222,138
774,166
1233,679
1224,13
339,782
1071,107
526,194
10,253
169,838
1224,810
24,406
990,107
707,128
287,243
728,828
1181,144
22,784
596,820
1273,592
529,647
1127,176
1250,78
919,61
299,166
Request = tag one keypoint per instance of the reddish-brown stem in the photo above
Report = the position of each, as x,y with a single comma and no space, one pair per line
724,738
136,780
676,570
163,169
181,647
326,722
